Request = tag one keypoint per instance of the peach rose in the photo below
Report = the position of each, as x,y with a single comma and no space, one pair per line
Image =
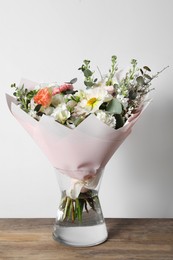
43,97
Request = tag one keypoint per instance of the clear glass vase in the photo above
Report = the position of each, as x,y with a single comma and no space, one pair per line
79,220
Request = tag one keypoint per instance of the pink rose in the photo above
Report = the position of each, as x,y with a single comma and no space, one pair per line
62,88
55,91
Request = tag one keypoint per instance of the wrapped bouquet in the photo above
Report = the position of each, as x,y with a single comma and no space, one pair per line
80,129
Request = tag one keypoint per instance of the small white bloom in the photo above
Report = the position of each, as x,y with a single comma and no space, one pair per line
109,89
106,118
71,104
61,113
123,100
57,99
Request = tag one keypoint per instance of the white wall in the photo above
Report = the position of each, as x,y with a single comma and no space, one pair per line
47,40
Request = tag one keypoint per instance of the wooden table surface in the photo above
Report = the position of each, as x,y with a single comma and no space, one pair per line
129,239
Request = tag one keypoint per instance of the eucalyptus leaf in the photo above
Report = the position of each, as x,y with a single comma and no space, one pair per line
147,68
87,73
147,76
73,81
141,71
86,62
114,106
88,83
140,80
132,95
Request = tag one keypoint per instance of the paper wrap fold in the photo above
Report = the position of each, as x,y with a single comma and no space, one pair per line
81,152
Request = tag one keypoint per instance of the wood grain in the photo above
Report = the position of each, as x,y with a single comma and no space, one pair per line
129,239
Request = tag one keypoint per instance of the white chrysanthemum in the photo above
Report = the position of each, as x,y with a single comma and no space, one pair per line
61,113
106,118
93,98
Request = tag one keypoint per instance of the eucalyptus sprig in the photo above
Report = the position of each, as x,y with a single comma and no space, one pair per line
89,80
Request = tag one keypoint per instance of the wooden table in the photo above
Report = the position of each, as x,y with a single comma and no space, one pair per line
129,239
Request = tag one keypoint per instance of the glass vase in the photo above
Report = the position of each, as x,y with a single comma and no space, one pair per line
79,220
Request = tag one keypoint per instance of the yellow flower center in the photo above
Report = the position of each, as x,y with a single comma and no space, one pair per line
91,101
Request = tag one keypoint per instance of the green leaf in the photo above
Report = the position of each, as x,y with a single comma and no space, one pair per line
140,80
147,68
132,95
37,108
114,106
73,81
141,71
147,76
87,73
115,85
86,62
119,121
88,83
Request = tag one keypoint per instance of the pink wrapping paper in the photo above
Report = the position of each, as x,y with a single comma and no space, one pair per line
80,152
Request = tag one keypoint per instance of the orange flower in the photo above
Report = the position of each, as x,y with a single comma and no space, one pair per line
43,97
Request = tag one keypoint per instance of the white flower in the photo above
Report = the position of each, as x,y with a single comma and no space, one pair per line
48,111
109,89
61,113
71,104
106,118
93,98
57,99
123,100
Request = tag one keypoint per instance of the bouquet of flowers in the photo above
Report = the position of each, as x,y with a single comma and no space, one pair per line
80,129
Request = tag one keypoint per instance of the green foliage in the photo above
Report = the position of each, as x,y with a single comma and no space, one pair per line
114,106
127,93
112,71
119,120
73,81
23,96
89,80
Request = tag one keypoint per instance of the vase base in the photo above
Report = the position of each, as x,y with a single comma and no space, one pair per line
82,236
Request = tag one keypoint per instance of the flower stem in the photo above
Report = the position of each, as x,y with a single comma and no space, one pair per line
73,209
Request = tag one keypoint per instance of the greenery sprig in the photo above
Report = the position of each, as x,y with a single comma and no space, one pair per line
23,96
112,71
89,80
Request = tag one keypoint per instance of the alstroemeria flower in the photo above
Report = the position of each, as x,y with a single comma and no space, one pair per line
61,113
43,97
93,99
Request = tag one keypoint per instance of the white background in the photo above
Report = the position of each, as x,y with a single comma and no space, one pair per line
47,40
